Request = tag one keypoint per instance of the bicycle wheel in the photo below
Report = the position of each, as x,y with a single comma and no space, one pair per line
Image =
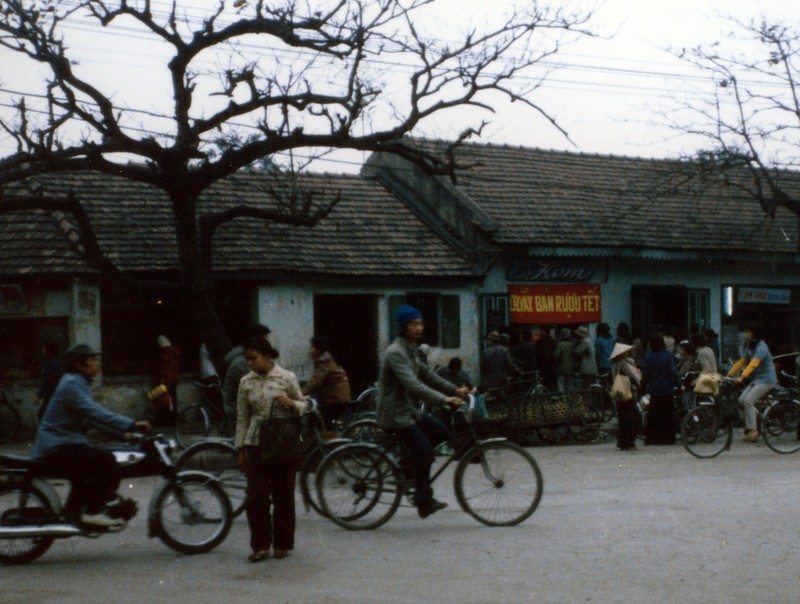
222,460
498,484
358,487
22,551
191,515
781,426
308,472
9,421
704,433
192,425
364,429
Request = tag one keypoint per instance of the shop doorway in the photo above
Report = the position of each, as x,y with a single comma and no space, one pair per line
350,323
668,306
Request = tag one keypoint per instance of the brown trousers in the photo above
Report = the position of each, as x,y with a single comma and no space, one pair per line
270,503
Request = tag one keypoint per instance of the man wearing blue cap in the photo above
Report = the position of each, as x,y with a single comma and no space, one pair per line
405,381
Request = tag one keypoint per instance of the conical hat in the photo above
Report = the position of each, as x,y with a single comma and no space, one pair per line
619,349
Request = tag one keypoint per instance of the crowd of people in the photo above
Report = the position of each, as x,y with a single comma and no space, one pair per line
255,388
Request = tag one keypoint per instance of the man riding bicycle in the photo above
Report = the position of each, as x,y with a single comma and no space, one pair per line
405,381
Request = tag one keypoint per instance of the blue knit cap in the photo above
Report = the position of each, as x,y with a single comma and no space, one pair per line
406,314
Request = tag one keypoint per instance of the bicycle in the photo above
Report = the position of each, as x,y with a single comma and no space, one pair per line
318,446
10,420
707,430
196,421
601,398
498,483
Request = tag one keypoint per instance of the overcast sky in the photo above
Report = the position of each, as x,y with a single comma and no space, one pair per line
606,92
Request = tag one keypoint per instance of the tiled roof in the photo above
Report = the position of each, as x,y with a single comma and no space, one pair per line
547,198
367,233
38,241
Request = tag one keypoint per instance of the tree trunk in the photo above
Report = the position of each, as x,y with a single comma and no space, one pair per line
198,280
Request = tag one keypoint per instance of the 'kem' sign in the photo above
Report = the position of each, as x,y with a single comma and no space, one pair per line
555,304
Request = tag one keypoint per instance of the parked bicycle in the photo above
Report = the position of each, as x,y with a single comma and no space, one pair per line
10,421
601,397
361,485
196,422
319,442
219,457
707,430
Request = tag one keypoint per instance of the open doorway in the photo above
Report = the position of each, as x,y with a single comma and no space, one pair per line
349,322
662,306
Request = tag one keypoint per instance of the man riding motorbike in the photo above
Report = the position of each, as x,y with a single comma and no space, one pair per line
63,450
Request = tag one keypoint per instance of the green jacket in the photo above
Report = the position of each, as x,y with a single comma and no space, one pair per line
404,381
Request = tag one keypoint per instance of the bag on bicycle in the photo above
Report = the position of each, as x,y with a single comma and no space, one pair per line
279,440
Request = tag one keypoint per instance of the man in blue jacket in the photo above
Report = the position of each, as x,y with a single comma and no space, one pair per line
405,381
63,449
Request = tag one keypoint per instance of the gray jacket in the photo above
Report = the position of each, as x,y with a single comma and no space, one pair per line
236,369
403,382
584,356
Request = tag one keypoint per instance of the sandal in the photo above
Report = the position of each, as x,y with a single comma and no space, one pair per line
258,556
280,554
751,436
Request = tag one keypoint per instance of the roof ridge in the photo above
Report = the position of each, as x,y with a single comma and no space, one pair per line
70,229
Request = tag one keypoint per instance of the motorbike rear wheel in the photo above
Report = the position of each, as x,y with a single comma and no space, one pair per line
23,550
191,515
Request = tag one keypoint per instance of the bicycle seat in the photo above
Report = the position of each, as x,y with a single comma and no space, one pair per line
780,392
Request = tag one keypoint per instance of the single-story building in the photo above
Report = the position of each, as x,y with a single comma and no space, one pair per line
523,237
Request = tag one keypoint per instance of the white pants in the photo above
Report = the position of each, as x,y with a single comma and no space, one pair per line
749,397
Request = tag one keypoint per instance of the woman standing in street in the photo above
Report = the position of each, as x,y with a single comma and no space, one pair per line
267,391
628,417
660,380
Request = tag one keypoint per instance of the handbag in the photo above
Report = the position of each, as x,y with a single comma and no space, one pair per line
279,440
621,388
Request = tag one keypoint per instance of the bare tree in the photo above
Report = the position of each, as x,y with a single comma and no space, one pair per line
751,119
284,76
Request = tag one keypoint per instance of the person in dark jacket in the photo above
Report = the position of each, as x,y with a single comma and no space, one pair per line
524,352
497,365
63,449
454,373
546,355
660,380
52,370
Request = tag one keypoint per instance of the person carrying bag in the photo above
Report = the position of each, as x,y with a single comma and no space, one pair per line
269,405
279,439
626,380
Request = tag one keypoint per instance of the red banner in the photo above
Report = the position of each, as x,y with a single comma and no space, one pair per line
555,304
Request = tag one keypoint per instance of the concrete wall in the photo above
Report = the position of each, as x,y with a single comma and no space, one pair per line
622,274
288,310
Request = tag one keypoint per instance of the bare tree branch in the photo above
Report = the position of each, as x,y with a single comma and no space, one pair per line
252,81
752,119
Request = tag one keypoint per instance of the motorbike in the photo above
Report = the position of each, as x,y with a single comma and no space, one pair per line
189,511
